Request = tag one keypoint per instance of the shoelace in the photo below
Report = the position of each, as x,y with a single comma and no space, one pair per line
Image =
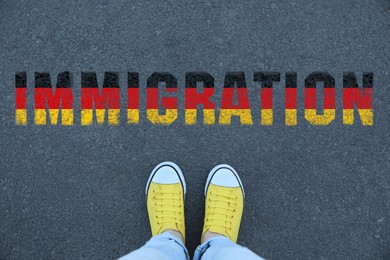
168,206
221,210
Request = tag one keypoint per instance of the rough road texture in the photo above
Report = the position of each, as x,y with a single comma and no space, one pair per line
312,192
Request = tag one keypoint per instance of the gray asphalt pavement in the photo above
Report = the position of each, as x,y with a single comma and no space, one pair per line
312,192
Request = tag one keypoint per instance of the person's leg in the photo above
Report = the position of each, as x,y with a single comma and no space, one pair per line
221,247
161,247
164,246
165,192
223,211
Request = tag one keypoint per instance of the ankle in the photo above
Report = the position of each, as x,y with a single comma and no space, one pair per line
176,234
208,235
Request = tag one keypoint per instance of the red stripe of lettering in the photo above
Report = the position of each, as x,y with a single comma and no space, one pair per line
62,97
242,98
152,98
310,98
133,98
166,102
169,102
361,97
266,98
91,97
291,98
192,98
21,98
329,98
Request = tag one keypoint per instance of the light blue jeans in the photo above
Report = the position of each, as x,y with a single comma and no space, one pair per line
168,247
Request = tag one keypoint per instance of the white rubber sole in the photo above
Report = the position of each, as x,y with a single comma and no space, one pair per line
215,169
175,167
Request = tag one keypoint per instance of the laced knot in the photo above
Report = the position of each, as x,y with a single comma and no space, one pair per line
221,209
168,206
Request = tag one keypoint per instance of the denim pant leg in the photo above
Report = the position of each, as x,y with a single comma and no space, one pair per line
161,247
222,248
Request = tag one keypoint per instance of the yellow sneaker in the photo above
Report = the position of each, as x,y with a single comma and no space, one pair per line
165,193
224,202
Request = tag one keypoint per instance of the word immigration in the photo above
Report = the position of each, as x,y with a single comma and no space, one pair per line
101,105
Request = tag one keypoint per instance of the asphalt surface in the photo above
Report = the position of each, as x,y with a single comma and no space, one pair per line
312,192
